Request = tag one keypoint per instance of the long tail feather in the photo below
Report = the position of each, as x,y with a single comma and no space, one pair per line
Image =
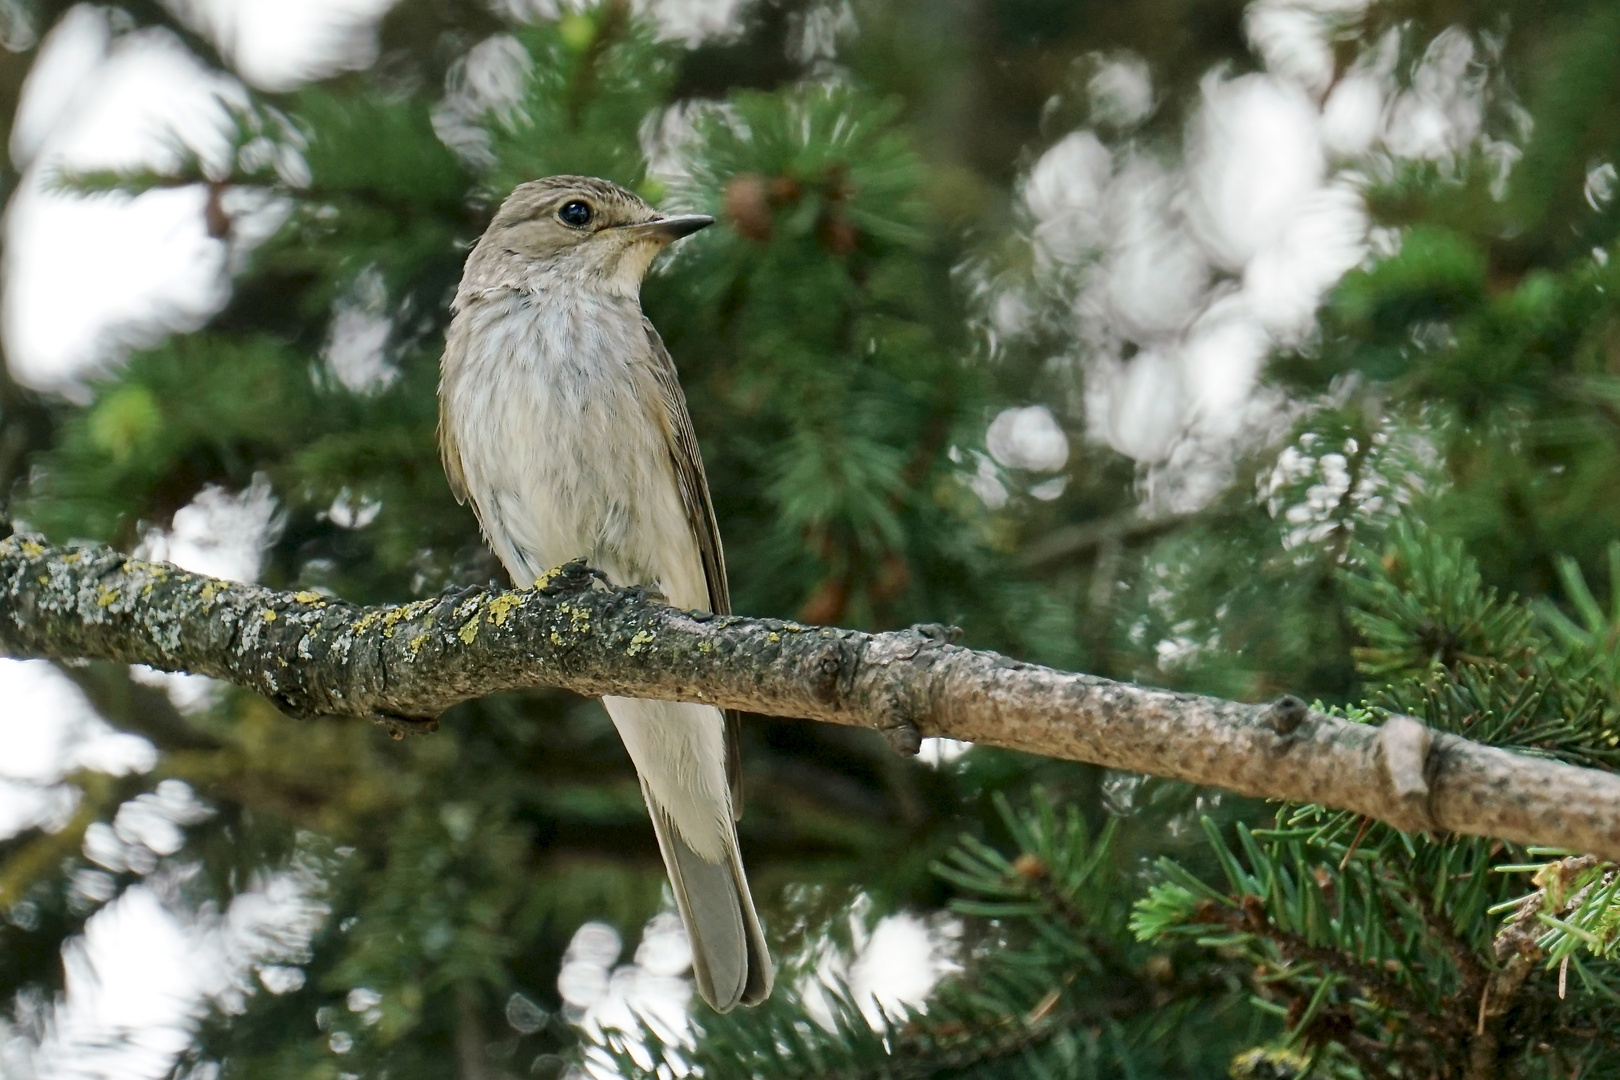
729,960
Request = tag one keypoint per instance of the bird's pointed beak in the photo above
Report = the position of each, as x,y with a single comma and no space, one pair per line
667,229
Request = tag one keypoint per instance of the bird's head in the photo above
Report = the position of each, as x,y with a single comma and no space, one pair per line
585,230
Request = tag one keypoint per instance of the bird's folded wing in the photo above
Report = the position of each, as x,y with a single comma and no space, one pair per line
694,485
454,344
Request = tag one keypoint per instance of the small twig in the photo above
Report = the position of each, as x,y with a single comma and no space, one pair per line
1072,541
1366,823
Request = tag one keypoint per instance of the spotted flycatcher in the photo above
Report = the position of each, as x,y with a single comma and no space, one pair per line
561,417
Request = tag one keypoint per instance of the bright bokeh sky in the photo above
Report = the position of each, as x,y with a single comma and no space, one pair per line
83,280
1181,276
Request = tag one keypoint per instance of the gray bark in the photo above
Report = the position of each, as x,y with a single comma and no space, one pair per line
403,665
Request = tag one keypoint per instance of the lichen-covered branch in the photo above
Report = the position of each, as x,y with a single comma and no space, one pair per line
405,664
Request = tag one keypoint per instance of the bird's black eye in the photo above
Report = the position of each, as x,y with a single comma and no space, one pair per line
575,214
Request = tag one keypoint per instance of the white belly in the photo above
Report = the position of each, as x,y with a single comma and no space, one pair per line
562,443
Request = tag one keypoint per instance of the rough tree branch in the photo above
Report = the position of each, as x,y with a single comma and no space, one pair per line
404,664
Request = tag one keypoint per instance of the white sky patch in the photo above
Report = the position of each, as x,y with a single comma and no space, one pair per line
156,820
357,344
1309,488
1352,116
937,753
1048,490
902,962
64,75
49,730
220,534
147,968
668,139
489,81
1295,37
27,805
1136,406
1221,360
280,44
895,965
1121,91
985,481
351,511
1153,278
695,21
1064,193
269,929
1028,438
86,276
1444,111
815,30
1010,315
1182,277
582,981
1321,241
690,22
145,829
1255,157
600,994
131,983
1291,41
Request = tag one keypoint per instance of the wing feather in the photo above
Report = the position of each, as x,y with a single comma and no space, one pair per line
449,452
694,485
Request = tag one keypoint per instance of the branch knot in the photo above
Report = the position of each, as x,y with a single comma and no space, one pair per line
1286,714
1404,764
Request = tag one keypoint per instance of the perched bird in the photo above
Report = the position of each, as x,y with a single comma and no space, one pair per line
561,417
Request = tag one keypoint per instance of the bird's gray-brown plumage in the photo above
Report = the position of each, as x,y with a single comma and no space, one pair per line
561,418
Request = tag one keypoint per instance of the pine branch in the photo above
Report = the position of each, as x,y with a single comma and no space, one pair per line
402,665
1068,543
1250,917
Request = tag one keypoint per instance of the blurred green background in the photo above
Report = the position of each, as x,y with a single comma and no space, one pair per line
1240,348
